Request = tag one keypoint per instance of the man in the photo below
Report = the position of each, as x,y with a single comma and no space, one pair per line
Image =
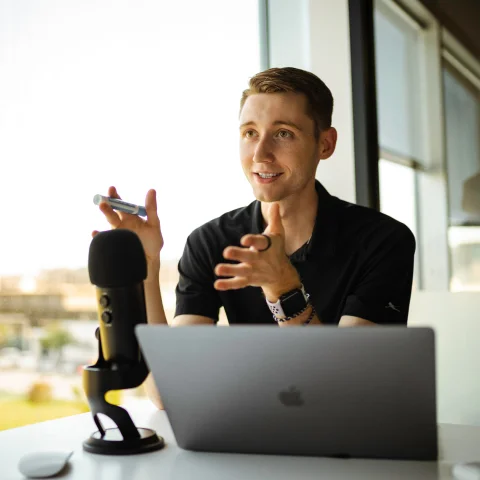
296,256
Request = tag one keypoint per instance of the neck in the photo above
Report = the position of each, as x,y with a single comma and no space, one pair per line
298,213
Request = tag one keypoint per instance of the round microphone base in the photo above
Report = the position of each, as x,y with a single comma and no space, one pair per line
113,443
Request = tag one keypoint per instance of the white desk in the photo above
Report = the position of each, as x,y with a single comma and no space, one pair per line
457,443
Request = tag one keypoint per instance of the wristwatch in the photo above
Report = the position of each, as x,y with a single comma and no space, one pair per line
290,304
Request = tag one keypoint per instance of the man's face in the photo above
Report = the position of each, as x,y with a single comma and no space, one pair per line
277,137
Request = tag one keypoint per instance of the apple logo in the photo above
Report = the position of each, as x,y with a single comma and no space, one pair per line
291,397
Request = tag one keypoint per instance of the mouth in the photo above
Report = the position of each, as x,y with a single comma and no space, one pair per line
267,177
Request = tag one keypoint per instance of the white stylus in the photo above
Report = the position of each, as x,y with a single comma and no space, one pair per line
117,204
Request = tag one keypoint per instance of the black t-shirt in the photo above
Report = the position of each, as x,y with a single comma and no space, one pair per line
358,262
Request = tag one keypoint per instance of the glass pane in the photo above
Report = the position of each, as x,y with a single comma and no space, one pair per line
462,123
96,93
397,78
397,199
465,258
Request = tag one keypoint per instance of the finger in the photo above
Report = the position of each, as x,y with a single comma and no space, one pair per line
112,217
112,192
258,242
95,232
151,208
231,284
229,270
240,254
274,221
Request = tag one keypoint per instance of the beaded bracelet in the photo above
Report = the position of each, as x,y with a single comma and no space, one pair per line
310,318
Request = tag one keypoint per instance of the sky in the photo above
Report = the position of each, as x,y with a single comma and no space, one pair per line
137,94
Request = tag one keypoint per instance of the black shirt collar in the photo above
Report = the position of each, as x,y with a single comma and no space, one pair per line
324,231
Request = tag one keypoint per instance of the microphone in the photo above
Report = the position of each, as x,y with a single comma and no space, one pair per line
117,267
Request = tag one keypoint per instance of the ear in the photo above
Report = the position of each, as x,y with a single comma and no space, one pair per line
327,143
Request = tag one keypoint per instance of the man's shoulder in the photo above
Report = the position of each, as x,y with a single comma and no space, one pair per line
370,225
229,225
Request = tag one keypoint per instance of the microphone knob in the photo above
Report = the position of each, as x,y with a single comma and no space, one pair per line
104,300
107,317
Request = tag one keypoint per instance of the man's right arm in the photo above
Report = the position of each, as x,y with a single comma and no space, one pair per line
154,303
156,316
194,293
189,320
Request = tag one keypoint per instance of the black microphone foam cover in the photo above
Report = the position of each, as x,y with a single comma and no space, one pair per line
116,259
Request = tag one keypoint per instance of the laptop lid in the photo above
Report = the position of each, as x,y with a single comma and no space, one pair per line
324,391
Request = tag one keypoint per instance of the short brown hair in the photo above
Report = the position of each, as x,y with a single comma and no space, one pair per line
290,79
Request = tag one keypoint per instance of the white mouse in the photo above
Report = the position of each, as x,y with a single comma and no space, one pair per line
43,464
467,471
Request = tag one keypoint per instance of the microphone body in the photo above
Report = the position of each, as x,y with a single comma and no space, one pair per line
119,310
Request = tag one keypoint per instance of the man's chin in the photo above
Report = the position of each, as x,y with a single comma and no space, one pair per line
267,197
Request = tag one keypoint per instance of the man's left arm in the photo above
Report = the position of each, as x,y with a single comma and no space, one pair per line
345,321
351,321
382,294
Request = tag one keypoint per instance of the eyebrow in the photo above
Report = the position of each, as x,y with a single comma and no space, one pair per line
276,122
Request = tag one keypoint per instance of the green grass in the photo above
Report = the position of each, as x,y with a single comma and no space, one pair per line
7,396
16,412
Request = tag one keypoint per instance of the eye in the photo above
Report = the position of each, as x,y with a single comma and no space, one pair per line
249,133
284,134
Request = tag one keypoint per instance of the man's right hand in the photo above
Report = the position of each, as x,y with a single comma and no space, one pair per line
147,230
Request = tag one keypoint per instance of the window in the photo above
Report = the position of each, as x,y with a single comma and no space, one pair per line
462,125
397,46
133,94
429,131
465,253
398,197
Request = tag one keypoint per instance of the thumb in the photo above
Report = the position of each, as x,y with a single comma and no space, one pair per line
274,221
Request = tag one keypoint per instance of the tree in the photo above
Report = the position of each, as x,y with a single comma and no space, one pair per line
56,339
4,335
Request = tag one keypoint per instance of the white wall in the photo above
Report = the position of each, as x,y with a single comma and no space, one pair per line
455,317
314,35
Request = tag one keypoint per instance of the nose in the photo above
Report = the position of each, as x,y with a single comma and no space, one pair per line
263,151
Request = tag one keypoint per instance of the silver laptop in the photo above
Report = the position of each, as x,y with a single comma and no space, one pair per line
319,391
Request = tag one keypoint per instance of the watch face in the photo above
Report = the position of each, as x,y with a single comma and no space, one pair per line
293,302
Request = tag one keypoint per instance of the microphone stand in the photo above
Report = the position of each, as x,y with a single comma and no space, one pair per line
127,439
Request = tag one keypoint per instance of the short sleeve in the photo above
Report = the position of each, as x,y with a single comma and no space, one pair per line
382,293
195,294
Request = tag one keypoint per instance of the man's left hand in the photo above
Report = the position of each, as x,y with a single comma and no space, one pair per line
269,269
